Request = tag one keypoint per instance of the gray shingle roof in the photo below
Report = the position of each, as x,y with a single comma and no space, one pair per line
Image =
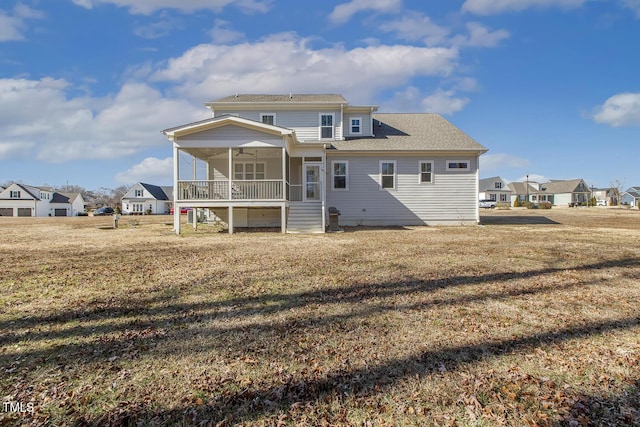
411,132
563,186
156,191
289,98
488,184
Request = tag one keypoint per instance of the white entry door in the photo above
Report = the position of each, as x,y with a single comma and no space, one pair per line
312,179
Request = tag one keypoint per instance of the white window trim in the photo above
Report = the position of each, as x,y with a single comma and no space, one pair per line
269,114
420,162
333,126
351,132
138,191
395,175
346,175
468,168
14,194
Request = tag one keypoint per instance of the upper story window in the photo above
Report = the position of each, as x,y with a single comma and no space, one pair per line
426,171
139,193
340,173
356,125
14,194
387,174
326,126
45,196
458,165
498,185
268,118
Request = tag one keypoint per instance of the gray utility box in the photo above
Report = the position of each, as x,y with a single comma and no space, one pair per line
334,219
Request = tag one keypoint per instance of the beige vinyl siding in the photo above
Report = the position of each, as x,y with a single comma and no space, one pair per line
450,199
226,136
306,123
219,167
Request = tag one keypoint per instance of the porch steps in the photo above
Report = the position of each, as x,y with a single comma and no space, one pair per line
305,218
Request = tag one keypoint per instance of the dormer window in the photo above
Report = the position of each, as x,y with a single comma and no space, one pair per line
14,194
268,118
356,126
326,126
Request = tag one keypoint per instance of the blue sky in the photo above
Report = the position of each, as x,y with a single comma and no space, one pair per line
551,87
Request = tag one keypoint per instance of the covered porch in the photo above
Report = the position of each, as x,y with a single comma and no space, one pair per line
230,164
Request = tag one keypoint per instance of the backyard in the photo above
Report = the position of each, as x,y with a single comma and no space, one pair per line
532,318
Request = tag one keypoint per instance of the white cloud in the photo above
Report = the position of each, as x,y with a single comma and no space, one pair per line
343,12
39,119
146,7
480,36
533,177
633,5
444,102
490,7
622,109
221,33
218,70
498,163
158,29
416,26
151,170
13,26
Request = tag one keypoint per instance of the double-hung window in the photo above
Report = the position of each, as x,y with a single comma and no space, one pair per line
14,194
426,171
498,185
268,118
340,173
326,126
139,193
356,126
387,174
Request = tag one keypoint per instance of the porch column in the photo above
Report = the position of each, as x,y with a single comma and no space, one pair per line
283,218
230,219
194,164
230,175
194,212
284,176
176,172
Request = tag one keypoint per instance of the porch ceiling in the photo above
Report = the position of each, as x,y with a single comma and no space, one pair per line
238,154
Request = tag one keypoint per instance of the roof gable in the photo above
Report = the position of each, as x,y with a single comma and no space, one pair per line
225,120
488,184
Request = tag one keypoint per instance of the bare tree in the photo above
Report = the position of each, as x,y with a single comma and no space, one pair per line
617,187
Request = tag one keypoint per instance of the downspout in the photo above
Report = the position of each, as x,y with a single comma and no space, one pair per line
341,122
371,120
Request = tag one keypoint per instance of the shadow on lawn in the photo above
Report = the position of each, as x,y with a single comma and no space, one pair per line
266,399
130,329
517,220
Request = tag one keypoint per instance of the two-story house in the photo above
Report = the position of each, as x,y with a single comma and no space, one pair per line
495,188
283,160
27,200
149,199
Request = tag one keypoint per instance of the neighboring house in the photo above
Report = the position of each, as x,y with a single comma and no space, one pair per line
631,197
147,199
569,192
283,160
27,200
606,196
495,188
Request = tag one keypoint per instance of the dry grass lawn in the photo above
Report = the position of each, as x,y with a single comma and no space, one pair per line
530,319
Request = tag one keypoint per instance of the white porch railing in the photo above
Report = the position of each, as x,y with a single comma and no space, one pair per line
263,189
